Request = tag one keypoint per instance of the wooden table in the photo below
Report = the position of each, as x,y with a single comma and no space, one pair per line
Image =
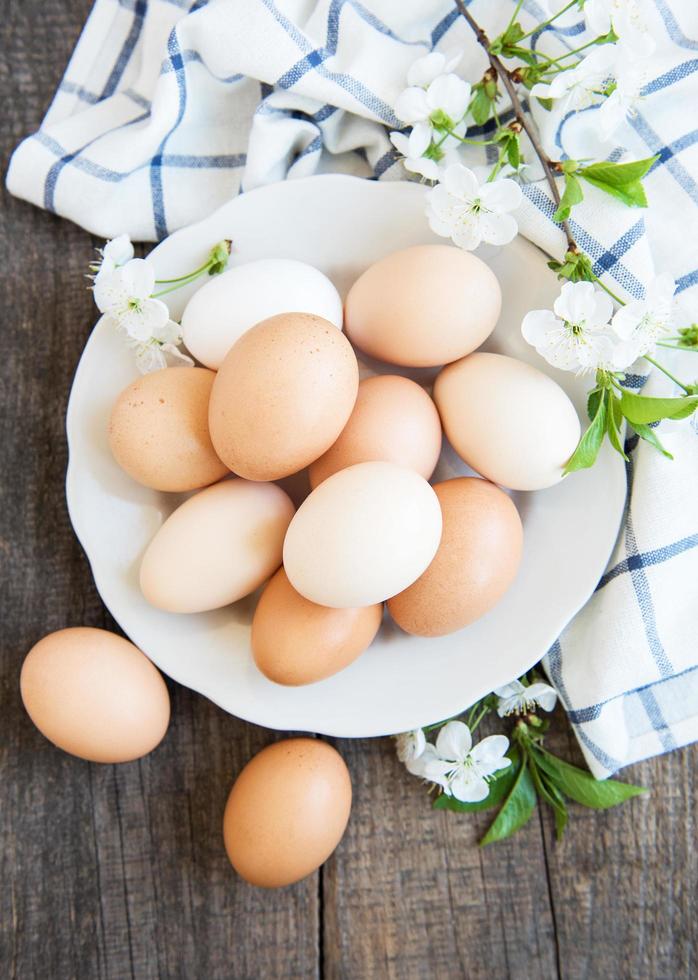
119,871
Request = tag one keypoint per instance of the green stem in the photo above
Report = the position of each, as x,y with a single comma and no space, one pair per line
189,275
568,54
661,343
667,373
178,283
539,27
517,8
609,291
472,726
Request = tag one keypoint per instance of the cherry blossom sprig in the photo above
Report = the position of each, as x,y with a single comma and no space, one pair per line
509,773
609,70
127,291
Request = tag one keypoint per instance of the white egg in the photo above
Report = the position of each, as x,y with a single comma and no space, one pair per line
510,422
363,535
229,304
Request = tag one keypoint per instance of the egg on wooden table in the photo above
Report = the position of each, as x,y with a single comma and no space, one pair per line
507,420
295,641
158,430
217,547
423,306
282,396
220,312
287,812
95,695
364,534
394,420
477,560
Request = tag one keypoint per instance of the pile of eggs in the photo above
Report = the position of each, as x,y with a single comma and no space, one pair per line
279,392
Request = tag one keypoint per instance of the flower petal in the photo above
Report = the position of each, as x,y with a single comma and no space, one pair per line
451,94
537,327
490,752
513,687
461,182
498,229
424,70
575,302
119,250
401,142
602,310
469,787
420,139
542,694
138,277
411,105
501,195
454,741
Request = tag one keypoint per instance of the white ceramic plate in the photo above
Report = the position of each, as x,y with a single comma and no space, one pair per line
340,225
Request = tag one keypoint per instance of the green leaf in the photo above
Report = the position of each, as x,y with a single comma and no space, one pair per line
572,195
593,400
614,421
617,174
500,787
631,194
481,107
549,793
643,409
582,787
514,153
546,103
516,810
650,436
589,445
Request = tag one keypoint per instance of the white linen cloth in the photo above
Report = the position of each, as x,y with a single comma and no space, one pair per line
170,107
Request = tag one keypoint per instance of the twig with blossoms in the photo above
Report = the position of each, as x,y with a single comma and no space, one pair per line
124,289
582,333
509,773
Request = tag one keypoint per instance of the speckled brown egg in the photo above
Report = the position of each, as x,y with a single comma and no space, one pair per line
95,695
423,306
295,641
287,812
158,430
394,420
477,560
282,395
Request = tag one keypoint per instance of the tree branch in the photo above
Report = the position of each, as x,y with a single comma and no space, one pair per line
502,73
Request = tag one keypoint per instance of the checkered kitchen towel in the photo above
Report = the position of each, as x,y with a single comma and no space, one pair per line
169,107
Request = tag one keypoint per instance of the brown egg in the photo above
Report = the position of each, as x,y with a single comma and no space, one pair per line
477,560
95,695
158,430
394,421
218,546
295,641
423,306
287,812
282,395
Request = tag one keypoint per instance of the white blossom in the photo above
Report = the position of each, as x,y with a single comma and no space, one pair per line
463,769
444,102
413,148
125,295
630,75
160,350
575,335
515,698
116,252
641,323
583,85
424,70
627,18
468,212
410,745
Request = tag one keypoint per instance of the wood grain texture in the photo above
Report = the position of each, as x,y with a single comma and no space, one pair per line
117,872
